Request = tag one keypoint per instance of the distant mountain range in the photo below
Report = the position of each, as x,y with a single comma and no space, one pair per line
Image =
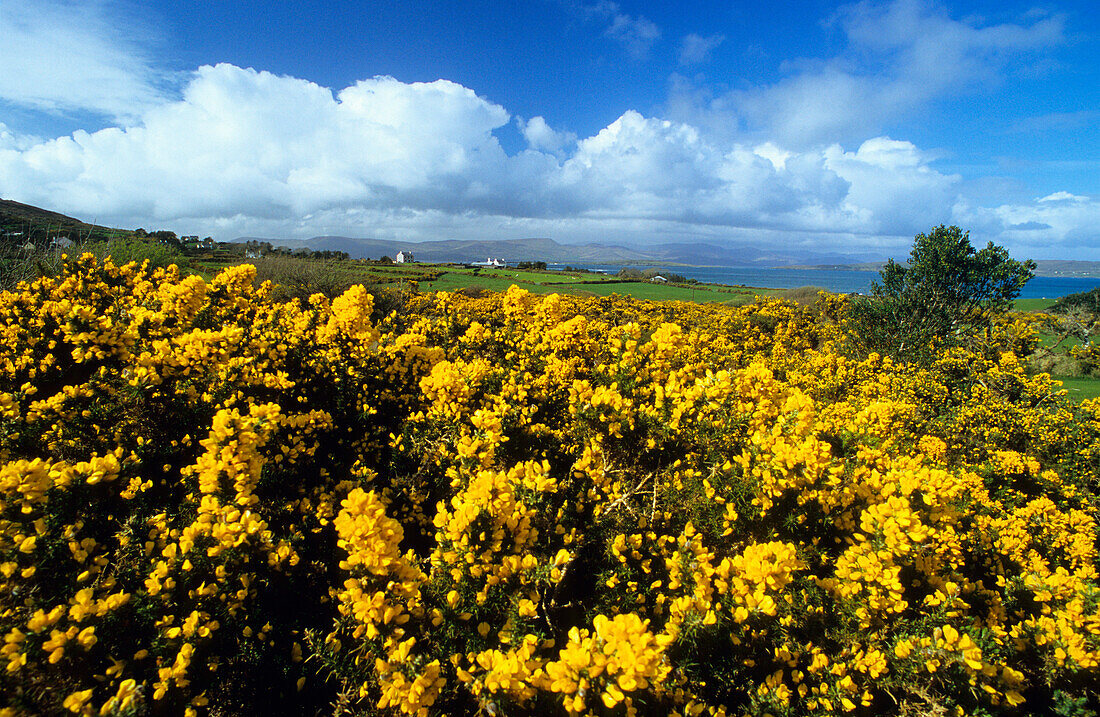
550,251
23,222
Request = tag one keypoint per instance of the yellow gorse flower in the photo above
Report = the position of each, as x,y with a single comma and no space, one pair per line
525,504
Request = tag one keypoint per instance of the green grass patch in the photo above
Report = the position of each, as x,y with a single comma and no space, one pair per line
1033,304
659,292
455,280
532,277
1049,340
1080,388
774,293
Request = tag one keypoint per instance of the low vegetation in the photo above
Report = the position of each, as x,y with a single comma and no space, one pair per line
1086,302
947,294
219,499
657,275
34,243
1069,329
24,263
805,295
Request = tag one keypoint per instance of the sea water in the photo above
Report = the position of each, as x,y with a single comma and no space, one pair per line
835,280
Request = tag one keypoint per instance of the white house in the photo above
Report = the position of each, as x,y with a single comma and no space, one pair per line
193,242
659,279
404,257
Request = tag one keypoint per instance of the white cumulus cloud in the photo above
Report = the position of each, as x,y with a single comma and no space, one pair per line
1058,229
541,136
12,140
246,142
893,187
1062,197
242,152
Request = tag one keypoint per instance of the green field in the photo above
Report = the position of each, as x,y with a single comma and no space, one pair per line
453,278
1033,304
531,276
1049,340
458,279
664,292
1080,388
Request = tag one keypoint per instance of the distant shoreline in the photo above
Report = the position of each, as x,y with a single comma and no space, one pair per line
1055,268
850,279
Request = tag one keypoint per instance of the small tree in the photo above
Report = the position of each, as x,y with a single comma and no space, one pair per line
947,293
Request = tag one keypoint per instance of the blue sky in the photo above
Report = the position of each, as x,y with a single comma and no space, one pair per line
838,128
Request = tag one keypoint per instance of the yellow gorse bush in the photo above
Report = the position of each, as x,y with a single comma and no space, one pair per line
212,501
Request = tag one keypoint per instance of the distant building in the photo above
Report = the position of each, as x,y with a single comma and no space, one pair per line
62,242
404,257
659,279
490,261
193,242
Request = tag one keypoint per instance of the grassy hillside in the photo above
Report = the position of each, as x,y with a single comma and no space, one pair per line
34,242
20,223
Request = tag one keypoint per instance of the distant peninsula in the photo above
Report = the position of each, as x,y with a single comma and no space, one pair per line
1044,267
553,252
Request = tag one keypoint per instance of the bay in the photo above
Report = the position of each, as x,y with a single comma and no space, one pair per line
835,280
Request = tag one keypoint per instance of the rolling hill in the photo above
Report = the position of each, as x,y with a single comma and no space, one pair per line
24,222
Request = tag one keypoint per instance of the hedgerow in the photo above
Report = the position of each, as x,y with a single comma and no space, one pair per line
214,502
